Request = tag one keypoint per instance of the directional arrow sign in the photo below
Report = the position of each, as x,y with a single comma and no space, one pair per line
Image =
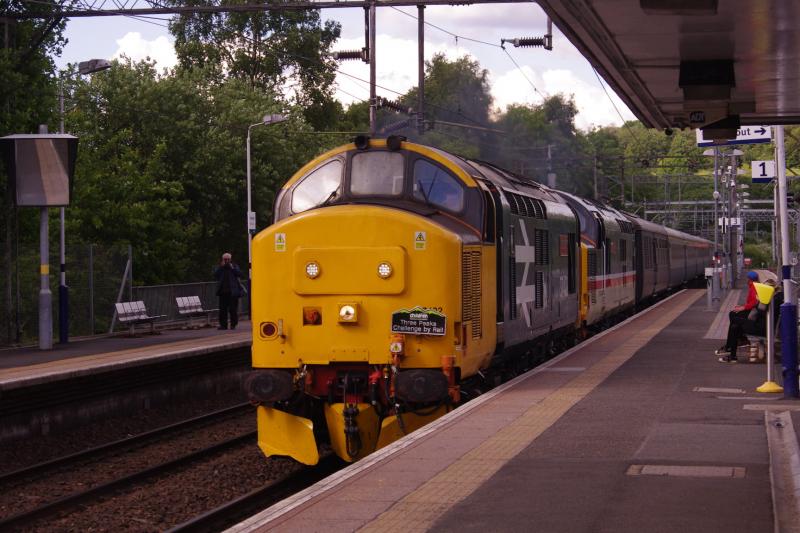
744,135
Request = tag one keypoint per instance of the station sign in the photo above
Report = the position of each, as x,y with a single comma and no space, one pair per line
763,171
744,135
729,222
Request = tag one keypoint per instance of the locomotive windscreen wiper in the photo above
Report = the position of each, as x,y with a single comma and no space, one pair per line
331,197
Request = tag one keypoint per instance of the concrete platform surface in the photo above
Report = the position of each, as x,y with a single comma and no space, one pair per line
28,366
638,429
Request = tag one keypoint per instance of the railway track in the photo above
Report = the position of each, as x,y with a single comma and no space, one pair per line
256,500
121,444
72,500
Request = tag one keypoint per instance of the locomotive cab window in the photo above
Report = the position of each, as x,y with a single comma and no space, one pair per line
433,185
322,184
377,173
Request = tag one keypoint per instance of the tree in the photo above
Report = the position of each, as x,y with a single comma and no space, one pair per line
163,166
266,50
540,139
28,86
457,92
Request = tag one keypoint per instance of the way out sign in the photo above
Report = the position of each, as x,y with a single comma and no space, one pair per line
744,135
763,171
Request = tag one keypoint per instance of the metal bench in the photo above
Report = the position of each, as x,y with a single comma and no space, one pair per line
133,313
191,306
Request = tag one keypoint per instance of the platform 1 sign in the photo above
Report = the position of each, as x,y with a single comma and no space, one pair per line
744,135
763,171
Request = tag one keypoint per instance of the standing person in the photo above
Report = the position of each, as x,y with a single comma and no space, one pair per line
738,318
227,275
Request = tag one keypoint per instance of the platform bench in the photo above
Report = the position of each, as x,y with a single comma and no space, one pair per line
191,306
133,313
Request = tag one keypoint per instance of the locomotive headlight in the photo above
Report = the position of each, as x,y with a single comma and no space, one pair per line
384,270
348,313
312,269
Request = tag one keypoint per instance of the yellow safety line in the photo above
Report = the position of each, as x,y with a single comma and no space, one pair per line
419,510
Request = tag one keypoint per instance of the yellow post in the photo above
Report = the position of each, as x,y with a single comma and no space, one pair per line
770,385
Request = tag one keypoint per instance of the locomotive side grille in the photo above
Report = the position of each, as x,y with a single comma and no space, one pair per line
592,267
539,297
512,284
525,206
539,208
625,226
471,290
541,246
571,262
592,260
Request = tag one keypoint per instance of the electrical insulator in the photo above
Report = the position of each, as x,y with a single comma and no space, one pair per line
545,42
395,126
391,104
347,55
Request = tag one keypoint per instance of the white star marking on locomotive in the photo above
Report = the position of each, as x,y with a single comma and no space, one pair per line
526,254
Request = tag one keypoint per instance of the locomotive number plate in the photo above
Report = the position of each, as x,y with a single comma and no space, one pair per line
419,321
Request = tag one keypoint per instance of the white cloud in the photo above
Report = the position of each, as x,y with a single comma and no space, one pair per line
137,48
595,108
397,68
513,87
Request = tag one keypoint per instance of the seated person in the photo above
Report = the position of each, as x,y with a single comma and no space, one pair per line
738,319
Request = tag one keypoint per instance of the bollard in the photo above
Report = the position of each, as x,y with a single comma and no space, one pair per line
709,291
770,385
789,349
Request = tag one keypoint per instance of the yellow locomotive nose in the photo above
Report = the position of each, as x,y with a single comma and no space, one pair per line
337,289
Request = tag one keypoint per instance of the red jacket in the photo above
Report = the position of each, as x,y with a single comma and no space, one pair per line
752,297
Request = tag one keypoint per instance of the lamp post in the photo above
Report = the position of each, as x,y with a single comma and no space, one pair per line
714,152
733,246
84,67
251,216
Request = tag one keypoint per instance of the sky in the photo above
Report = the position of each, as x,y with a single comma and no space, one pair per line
516,75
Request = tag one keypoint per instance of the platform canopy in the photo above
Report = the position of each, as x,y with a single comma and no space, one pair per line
692,63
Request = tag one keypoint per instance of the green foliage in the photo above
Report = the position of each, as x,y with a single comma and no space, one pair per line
456,92
759,253
265,50
162,166
28,87
541,139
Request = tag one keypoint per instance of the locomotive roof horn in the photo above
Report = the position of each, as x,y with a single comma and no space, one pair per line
395,142
361,141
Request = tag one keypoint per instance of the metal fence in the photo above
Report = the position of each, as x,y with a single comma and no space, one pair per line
96,278
160,299
94,274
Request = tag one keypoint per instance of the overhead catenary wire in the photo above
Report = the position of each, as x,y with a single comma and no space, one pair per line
624,122
465,38
276,53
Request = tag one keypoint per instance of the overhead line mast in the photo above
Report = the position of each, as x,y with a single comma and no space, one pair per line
244,8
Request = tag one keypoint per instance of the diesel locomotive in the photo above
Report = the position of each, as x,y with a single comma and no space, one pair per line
397,278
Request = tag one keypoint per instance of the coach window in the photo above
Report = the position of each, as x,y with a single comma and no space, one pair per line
317,187
434,185
377,173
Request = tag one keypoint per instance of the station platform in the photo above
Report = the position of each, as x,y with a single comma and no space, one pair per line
80,382
20,367
640,428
